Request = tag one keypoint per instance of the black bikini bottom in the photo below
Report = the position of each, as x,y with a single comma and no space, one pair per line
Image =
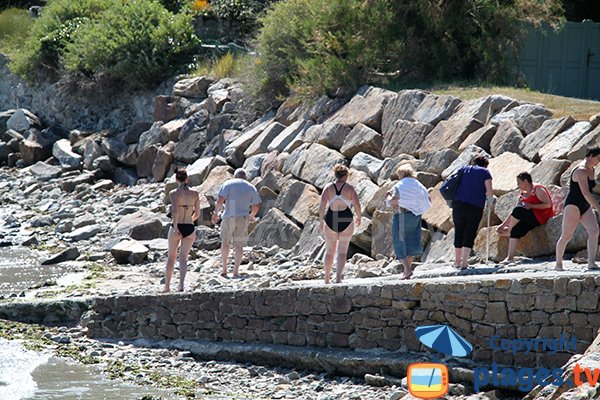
338,221
186,229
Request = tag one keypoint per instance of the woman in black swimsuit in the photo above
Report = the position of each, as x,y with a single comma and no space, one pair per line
336,218
579,207
185,205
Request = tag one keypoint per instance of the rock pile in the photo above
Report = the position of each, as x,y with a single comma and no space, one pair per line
289,153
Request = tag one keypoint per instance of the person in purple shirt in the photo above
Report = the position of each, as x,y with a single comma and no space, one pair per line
474,189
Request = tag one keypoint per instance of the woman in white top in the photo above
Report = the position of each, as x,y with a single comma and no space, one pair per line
409,200
336,220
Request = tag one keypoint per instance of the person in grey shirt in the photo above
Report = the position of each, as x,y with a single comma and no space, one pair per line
242,203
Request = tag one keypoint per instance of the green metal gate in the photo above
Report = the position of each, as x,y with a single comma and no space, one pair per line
566,62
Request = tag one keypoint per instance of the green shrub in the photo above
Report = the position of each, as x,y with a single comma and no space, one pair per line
138,41
14,28
317,46
134,41
50,34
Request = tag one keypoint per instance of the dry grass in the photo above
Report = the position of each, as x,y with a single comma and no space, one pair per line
560,106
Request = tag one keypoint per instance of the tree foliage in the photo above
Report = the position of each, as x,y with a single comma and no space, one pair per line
318,46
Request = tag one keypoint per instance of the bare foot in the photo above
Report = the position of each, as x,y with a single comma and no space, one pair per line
180,289
559,267
593,266
224,274
406,276
166,290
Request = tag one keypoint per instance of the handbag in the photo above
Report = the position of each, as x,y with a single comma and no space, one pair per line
450,185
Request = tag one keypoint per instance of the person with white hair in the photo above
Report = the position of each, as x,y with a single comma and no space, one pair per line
241,203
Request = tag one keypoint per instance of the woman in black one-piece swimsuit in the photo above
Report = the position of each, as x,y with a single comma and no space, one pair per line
182,232
579,207
335,216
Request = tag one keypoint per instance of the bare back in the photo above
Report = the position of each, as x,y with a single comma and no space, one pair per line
186,205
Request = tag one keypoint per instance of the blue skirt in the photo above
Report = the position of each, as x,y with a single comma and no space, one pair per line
406,235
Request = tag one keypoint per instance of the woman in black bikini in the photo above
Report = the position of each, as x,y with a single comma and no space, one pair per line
336,218
185,205
579,207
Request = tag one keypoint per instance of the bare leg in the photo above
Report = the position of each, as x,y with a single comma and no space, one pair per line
571,218
342,252
173,239
331,246
239,254
457,257
184,252
512,249
589,221
465,252
224,257
407,263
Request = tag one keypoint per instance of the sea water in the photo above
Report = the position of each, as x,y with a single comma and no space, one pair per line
28,375
20,269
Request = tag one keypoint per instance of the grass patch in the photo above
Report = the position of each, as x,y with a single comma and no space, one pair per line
225,66
15,25
560,106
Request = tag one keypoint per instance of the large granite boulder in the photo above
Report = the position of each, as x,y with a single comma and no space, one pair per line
287,135
528,117
449,134
365,189
162,162
365,107
36,147
294,163
549,171
404,137
44,172
531,145
464,159
381,234
439,215
234,152
192,87
311,244
562,144
482,109
330,134
507,139
400,108
275,229
390,164
253,165
377,202
167,108
367,164
540,242
435,108
504,170
68,159
298,200
362,139
23,120
261,143
590,139
436,162
482,138
440,248
141,225
318,167
215,178
197,172
129,252
146,160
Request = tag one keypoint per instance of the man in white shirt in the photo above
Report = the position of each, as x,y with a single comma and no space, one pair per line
242,203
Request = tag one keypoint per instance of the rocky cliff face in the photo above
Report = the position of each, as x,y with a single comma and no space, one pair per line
289,153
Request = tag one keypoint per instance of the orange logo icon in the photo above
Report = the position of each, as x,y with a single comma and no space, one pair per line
427,380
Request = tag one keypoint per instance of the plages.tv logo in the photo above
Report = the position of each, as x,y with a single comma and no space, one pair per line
430,380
